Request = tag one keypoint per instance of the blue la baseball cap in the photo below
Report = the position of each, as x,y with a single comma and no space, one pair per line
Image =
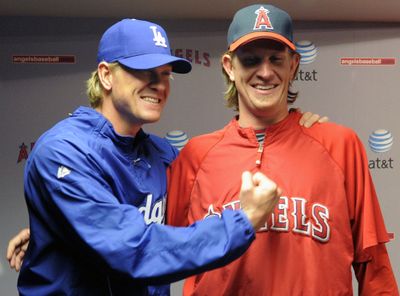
139,45
260,21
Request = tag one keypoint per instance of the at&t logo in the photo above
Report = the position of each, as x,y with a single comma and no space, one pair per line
381,141
308,54
177,138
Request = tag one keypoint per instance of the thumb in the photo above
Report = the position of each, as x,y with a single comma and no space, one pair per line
247,182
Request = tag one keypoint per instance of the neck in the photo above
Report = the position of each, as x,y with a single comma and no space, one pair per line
262,121
122,126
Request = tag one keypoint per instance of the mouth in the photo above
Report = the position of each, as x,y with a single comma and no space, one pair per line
151,100
263,87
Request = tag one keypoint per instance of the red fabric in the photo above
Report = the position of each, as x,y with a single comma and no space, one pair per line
328,218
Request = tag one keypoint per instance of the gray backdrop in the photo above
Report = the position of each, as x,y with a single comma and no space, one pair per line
362,95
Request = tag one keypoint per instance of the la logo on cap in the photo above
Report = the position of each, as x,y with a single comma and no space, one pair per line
158,39
262,20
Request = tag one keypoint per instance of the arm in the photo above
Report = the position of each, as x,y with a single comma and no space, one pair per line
87,218
374,273
371,265
371,261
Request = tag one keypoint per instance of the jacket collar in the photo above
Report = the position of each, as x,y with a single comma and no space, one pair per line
273,132
104,127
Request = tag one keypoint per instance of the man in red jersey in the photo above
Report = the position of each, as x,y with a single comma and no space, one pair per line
328,218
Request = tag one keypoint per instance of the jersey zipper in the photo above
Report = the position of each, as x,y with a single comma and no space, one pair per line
259,153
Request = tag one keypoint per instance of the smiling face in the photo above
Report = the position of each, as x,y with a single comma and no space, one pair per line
261,71
133,97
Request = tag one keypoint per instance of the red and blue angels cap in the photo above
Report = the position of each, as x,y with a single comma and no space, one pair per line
139,45
260,21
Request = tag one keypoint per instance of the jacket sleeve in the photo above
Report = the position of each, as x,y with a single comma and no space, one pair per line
371,262
82,213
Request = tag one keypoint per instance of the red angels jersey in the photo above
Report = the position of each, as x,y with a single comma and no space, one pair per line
328,217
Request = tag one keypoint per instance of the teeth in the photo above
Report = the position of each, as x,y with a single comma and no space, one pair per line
151,100
264,87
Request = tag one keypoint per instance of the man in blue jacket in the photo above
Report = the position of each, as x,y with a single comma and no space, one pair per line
95,186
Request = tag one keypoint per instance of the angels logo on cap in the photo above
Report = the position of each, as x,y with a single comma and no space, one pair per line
262,20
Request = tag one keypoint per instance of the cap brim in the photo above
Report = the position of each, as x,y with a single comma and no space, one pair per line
261,35
149,61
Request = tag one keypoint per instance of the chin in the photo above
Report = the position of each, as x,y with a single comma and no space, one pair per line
151,119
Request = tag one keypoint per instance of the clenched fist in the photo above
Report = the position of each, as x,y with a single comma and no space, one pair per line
258,197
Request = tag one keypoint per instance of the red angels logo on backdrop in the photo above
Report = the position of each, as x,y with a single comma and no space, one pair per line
262,20
23,151
194,56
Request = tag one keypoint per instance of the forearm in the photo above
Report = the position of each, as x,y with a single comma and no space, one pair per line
205,245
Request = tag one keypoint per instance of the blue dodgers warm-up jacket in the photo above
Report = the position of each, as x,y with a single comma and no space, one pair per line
96,203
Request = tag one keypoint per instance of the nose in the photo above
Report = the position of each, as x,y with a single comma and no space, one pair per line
265,69
154,77
157,81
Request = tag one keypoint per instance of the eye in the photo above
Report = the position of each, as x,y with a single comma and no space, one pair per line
276,59
166,75
141,74
250,61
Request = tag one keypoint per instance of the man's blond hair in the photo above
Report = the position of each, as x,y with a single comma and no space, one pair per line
94,89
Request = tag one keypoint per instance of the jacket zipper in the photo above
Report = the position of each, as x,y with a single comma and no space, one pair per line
109,286
259,153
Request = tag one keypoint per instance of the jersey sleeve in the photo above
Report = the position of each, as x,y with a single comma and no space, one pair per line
181,178
371,262
82,213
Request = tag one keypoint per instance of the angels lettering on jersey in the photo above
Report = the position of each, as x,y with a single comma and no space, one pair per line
291,214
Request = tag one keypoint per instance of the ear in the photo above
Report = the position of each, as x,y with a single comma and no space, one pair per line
226,62
105,75
294,65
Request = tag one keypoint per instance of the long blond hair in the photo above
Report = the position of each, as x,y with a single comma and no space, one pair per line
94,89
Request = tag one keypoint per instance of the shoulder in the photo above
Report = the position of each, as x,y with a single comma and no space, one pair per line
201,144
197,148
68,138
57,145
340,142
331,133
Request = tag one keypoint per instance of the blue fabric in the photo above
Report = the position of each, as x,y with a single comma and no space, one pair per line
139,45
96,203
